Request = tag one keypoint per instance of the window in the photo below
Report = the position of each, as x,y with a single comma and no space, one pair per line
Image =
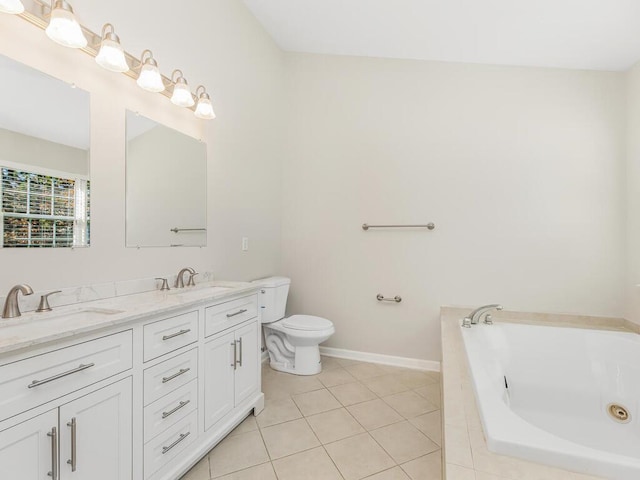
42,210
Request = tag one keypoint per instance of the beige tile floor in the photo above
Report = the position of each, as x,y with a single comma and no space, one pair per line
354,420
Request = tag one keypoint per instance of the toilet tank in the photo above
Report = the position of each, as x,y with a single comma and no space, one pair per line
272,298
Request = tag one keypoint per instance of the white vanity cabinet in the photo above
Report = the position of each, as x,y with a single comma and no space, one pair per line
86,439
232,363
142,400
29,450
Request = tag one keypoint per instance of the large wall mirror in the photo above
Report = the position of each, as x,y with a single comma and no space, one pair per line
44,158
166,186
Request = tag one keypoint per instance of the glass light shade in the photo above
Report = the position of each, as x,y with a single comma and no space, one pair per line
204,109
11,6
63,27
149,78
182,95
111,56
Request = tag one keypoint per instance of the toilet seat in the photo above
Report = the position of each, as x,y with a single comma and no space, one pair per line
306,323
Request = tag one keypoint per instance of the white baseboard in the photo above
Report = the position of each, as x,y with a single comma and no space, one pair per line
415,363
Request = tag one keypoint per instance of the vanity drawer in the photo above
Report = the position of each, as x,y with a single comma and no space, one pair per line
166,446
225,315
170,409
170,334
36,380
170,375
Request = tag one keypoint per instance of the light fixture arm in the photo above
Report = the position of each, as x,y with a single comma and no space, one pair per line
180,76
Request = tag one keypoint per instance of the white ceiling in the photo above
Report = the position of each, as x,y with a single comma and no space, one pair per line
581,34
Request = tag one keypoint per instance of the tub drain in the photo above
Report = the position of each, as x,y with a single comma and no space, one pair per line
619,413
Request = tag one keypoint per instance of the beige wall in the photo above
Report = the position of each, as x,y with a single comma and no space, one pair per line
216,43
633,195
521,169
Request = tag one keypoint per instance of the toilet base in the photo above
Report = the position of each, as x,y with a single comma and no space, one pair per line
306,362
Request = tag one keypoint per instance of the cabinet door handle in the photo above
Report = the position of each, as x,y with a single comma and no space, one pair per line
229,315
177,374
181,438
177,334
240,343
74,454
174,410
79,368
235,355
54,453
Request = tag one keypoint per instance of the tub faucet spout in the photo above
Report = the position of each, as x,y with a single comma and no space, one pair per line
474,317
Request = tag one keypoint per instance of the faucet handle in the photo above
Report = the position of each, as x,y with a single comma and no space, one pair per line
191,282
165,283
488,319
44,302
466,322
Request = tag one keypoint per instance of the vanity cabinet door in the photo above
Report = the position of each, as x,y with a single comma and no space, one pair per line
29,450
246,378
95,435
218,381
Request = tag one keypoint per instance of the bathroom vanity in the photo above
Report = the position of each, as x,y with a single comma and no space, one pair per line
132,387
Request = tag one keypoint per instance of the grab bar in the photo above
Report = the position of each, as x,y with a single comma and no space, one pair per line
381,298
176,230
430,226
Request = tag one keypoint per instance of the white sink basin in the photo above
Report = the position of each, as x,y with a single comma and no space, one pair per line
56,315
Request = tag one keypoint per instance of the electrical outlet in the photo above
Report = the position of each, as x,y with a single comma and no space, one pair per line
245,244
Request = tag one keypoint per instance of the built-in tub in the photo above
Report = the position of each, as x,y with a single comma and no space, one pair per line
545,394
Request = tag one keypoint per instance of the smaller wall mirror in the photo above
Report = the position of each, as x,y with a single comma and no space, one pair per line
44,160
166,186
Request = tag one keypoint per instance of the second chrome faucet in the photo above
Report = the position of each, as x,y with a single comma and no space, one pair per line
180,278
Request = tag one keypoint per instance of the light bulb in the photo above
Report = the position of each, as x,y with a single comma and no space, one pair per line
150,78
11,6
63,27
204,109
111,55
181,94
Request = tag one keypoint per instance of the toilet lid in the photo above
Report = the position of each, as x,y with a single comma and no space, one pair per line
306,322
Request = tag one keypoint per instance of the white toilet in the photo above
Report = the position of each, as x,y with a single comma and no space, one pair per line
292,342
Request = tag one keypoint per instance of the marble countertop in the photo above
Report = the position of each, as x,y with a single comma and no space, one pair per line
466,456
32,329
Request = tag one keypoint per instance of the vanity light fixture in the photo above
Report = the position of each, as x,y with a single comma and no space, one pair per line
149,78
111,55
204,109
57,19
181,94
11,6
63,27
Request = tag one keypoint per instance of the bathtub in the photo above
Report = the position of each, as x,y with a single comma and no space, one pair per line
558,396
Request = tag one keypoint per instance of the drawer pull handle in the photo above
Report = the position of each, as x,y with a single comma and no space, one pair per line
177,334
54,453
229,315
74,456
79,368
182,437
177,374
171,412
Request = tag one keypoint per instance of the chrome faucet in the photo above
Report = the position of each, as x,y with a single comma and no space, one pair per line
180,277
474,317
11,308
